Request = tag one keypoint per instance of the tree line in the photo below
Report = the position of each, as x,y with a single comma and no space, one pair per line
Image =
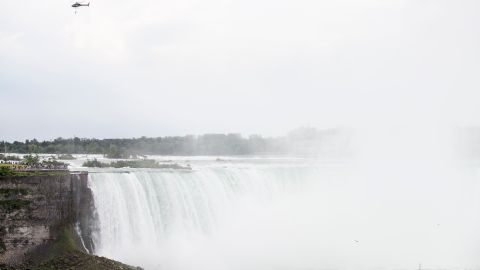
300,141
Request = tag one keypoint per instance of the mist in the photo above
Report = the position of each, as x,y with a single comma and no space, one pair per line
404,201
394,187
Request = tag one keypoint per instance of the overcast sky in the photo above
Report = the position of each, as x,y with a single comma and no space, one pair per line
124,68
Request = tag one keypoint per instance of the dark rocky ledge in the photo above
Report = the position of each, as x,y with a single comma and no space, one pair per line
46,222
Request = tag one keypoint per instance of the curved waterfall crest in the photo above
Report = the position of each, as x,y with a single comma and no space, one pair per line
147,209
259,216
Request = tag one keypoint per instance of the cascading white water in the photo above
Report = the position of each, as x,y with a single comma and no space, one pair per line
145,216
252,216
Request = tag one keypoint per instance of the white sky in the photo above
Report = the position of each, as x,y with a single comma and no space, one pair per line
124,68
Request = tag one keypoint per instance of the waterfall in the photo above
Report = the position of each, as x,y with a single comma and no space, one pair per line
260,217
144,215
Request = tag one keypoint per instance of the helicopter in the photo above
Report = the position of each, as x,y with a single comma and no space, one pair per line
78,4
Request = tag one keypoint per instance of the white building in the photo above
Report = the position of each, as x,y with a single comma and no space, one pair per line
16,162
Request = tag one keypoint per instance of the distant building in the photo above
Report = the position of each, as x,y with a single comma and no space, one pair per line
15,162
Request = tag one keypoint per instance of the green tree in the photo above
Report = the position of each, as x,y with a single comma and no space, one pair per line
31,159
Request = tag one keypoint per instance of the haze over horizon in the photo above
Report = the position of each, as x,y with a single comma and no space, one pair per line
401,191
154,68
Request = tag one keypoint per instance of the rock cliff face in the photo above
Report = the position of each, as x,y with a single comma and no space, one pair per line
84,210
34,210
